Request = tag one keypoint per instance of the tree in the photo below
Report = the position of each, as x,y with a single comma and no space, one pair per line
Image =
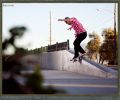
13,66
93,45
14,32
107,49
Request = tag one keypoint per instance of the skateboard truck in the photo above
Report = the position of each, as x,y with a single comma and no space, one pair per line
79,58
74,60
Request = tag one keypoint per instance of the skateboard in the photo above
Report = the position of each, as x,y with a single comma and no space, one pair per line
78,59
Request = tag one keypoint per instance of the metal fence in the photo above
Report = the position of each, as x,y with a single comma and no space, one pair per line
58,46
50,48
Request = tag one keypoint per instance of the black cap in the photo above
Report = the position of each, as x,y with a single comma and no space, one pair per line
67,18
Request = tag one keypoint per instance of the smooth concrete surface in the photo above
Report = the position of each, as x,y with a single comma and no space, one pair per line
60,60
76,83
80,84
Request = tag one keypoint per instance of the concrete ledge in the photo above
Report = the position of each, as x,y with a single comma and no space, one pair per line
60,60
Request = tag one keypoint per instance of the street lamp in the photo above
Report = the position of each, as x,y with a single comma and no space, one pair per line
115,24
50,27
114,29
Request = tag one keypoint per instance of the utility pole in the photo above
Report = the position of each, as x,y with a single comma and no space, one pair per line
50,27
115,32
115,25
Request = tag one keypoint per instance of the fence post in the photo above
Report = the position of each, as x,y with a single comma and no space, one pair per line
48,48
56,45
68,45
41,49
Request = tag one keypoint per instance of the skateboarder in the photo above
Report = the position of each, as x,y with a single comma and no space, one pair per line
80,35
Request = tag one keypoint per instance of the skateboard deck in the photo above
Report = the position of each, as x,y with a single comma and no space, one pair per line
79,59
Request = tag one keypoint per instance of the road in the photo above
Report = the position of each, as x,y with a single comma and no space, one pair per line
79,84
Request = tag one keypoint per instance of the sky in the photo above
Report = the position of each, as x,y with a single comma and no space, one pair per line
36,17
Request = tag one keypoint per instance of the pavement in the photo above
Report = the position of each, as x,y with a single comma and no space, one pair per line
60,60
80,84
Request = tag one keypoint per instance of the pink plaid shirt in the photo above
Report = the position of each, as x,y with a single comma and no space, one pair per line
77,26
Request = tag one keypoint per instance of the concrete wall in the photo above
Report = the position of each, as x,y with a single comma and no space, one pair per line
60,60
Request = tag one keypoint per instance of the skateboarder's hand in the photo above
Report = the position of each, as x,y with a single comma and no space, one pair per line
60,19
69,28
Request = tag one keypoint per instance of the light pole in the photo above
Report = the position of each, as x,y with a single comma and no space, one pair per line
115,48
115,32
50,27
115,25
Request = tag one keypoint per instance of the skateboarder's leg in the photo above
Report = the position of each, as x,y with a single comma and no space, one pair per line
81,37
81,50
76,47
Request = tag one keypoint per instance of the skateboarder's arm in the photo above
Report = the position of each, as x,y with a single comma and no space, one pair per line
63,19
